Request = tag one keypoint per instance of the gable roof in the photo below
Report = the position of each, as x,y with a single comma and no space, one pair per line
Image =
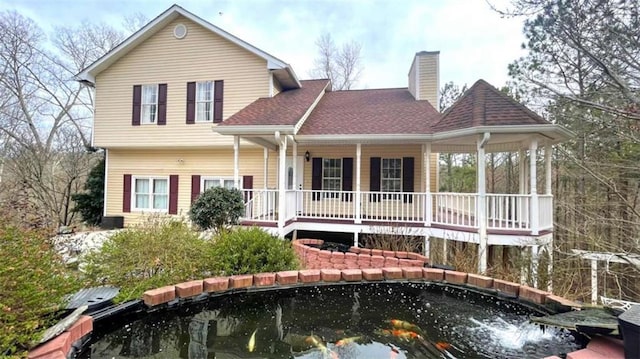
379,111
484,105
284,109
283,71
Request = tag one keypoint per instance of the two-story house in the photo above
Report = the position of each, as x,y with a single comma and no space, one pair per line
181,106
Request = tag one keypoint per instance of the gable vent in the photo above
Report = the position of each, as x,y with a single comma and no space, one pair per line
180,31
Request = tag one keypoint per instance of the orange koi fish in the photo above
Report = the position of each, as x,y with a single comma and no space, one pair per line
405,334
344,341
442,346
401,324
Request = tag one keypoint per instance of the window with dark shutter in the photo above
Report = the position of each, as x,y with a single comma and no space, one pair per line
407,178
191,103
347,178
162,104
218,95
374,179
126,194
173,194
316,176
137,101
195,187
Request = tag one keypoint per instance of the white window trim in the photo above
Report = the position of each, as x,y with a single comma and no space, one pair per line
213,88
142,104
215,178
392,197
328,195
134,207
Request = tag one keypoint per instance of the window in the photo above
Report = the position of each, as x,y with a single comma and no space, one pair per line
151,194
149,103
391,176
204,101
332,175
210,182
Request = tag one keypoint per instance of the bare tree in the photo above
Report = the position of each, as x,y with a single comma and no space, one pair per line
342,65
45,115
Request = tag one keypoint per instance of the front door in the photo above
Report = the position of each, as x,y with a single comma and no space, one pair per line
295,183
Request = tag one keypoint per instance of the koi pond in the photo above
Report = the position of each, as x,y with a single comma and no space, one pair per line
365,320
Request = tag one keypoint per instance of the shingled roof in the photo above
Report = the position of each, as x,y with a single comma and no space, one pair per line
285,108
484,105
381,111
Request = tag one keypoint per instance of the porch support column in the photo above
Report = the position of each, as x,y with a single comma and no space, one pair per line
534,213
481,205
535,260
428,215
358,197
547,168
594,281
236,162
266,168
522,169
294,180
282,183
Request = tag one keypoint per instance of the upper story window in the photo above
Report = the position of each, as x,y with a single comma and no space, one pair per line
204,101
151,193
391,177
149,104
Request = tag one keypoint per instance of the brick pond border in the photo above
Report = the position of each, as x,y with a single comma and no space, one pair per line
61,346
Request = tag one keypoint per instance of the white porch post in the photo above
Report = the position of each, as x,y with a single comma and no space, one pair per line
428,215
547,167
534,213
481,205
294,180
266,168
282,182
236,161
522,168
358,197
535,259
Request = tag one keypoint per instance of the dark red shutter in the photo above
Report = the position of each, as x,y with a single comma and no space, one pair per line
407,178
247,183
126,194
347,178
173,194
195,187
218,95
162,104
191,102
137,102
316,176
374,178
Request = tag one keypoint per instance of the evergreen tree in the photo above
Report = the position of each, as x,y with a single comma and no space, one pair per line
91,203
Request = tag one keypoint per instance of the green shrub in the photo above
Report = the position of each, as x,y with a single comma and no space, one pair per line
217,207
33,282
90,204
246,251
152,255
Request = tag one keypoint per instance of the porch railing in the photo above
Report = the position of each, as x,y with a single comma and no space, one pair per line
455,209
508,211
393,206
503,211
545,217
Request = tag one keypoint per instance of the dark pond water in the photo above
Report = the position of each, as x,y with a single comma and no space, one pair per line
309,322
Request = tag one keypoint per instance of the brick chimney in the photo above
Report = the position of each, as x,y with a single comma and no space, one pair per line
424,77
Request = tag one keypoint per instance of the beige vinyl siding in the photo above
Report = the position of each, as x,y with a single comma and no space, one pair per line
428,81
368,151
200,56
277,88
212,162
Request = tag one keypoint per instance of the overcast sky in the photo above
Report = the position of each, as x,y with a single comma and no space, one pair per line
474,41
